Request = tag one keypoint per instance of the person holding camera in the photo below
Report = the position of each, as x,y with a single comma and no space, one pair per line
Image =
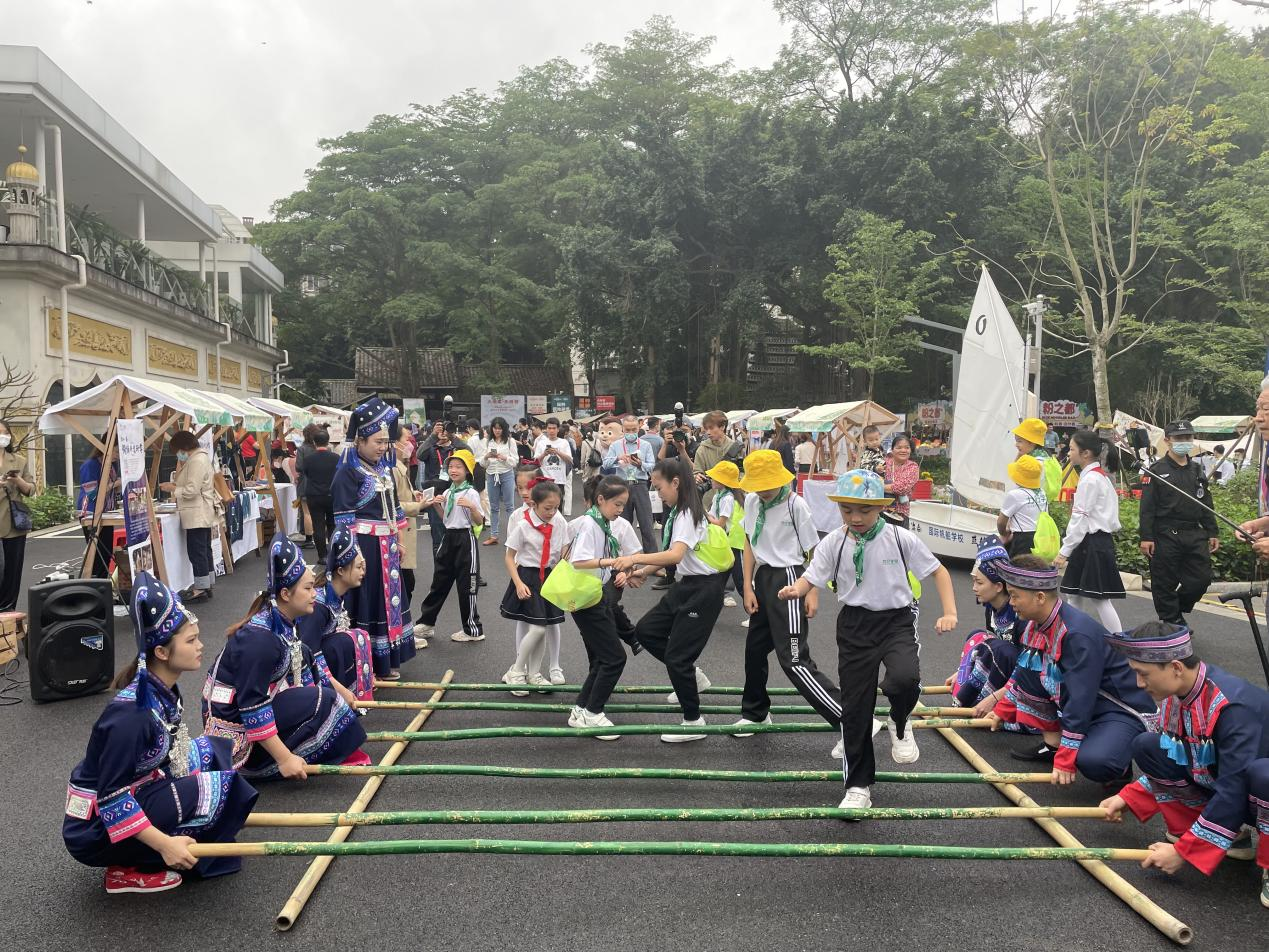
632,458
716,447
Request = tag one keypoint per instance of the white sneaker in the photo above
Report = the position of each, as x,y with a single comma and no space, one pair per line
745,623
686,738
745,722
857,798
702,683
536,679
598,720
424,631
463,636
576,717
839,750
729,601
876,727
557,676
902,750
419,643
516,677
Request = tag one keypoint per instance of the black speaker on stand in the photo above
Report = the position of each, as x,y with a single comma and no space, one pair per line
70,645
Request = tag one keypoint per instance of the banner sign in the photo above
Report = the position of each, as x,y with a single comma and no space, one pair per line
413,411
606,403
935,415
136,495
1066,413
561,404
509,407
536,406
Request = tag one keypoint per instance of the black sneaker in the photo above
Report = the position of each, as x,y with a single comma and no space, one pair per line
1043,754
662,583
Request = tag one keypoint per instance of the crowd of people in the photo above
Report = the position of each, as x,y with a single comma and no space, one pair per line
1049,661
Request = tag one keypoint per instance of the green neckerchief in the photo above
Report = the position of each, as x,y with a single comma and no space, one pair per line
861,541
668,529
452,496
780,497
614,547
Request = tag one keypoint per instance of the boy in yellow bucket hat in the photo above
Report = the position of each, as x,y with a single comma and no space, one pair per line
723,513
779,533
457,563
1021,506
873,565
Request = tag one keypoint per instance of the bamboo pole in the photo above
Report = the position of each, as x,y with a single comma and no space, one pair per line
619,689
627,708
656,848
790,727
1165,922
662,815
317,869
663,773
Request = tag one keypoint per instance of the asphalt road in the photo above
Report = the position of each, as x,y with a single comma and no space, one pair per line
659,904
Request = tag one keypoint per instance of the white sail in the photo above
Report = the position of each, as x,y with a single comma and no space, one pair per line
990,389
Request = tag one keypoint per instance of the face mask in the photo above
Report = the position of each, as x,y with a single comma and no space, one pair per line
182,456
1182,447
5,440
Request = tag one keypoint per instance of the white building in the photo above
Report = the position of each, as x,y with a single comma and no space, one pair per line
150,306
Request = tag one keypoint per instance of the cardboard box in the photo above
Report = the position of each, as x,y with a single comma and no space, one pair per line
12,631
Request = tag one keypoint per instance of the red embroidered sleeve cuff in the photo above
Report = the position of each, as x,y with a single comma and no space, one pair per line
259,723
1064,759
1199,853
1006,710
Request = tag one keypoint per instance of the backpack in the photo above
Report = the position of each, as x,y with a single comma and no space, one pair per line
1048,541
715,549
1051,478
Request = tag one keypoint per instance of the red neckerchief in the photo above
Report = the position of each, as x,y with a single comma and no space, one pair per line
545,529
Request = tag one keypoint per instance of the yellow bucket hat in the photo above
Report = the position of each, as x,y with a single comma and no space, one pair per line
764,470
1032,429
468,460
1025,471
726,473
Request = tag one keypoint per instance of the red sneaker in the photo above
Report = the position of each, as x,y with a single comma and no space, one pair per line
358,758
122,879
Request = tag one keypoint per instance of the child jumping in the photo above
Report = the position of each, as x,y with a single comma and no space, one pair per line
458,557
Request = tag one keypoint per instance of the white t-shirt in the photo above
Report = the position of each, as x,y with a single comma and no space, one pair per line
525,538
496,467
885,584
555,470
460,518
690,534
1022,507
787,534
804,454
723,506
587,541
1094,509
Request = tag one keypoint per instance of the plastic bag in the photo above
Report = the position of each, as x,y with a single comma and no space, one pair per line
572,589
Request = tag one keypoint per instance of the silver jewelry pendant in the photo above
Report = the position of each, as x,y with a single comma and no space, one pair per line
178,756
297,660
342,620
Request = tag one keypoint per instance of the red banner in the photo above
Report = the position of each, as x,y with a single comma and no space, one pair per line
608,403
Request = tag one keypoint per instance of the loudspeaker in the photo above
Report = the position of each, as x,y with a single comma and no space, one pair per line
71,638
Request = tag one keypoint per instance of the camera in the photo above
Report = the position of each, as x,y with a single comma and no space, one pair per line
680,436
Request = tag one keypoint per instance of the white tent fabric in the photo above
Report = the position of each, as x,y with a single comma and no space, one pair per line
990,399
298,419
253,418
92,408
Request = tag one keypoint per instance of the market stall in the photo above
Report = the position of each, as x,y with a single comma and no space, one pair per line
760,424
288,423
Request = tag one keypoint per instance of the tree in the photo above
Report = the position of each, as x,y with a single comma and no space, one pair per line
1095,110
877,281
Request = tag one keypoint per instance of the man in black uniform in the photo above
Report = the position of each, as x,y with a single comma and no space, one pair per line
1178,536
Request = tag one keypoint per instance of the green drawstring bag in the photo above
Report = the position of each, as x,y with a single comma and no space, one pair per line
714,550
736,529
1047,540
572,589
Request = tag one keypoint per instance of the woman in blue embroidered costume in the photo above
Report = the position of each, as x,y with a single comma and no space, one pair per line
343,651
1197,767
1069,684
363,495
990,653
145,791
266,692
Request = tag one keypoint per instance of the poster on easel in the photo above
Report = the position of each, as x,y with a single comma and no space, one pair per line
136,490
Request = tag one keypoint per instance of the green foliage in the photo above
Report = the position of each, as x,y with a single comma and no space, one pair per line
52,507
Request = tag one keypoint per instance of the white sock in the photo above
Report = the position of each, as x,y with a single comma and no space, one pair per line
529,654
523,630
1103,609
553,644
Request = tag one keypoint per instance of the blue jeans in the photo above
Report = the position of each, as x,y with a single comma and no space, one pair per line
502,491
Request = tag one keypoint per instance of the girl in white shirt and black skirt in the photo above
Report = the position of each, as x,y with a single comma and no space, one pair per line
536,539
1092,578
677,629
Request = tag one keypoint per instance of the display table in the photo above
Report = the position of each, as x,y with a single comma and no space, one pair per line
286,499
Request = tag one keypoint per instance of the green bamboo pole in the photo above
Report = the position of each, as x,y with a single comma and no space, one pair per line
625,708
646,848
663,815
794,727
663,773
619,689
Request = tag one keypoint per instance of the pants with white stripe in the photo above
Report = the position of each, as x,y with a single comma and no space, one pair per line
867,639
457,566
781,627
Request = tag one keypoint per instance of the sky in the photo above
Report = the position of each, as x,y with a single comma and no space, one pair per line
233,95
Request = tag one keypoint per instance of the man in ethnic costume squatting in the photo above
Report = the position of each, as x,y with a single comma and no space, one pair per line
364,498
144,790
1198,767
